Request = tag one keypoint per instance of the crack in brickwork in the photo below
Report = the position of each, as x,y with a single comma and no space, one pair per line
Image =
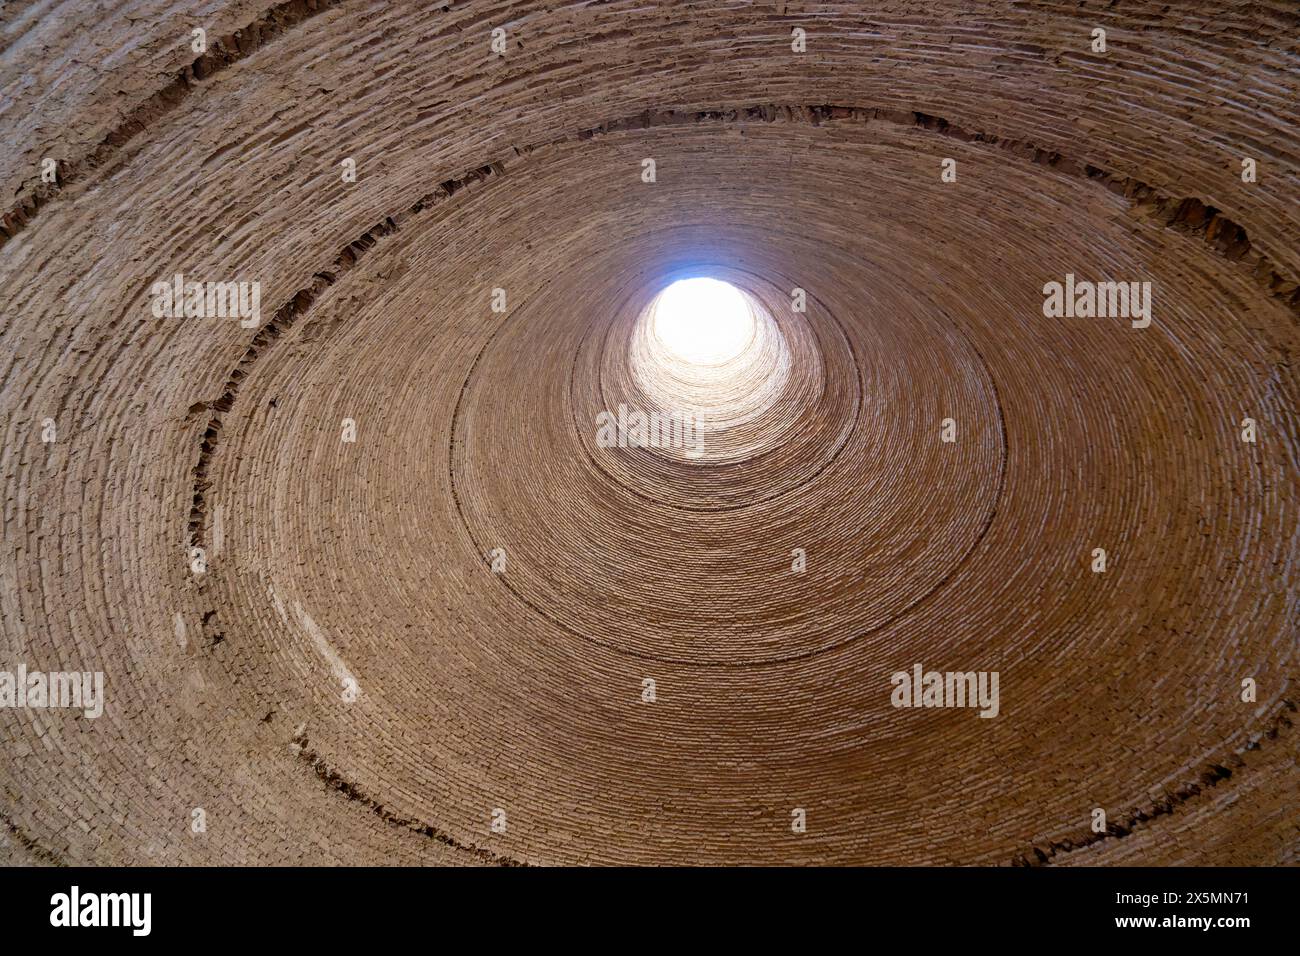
336,781
1210,777
29,844
220,55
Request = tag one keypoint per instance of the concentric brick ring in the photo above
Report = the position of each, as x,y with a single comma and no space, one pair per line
737,601
432,601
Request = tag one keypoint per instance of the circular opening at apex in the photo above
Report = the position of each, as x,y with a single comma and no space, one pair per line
703,321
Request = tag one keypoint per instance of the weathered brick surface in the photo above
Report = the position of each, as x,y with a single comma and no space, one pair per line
522,691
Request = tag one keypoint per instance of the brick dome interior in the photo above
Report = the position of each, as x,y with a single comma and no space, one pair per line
353,678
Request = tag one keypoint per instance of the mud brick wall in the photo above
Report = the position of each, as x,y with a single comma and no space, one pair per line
432,619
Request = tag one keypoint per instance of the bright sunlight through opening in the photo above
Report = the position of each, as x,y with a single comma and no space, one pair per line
703,321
